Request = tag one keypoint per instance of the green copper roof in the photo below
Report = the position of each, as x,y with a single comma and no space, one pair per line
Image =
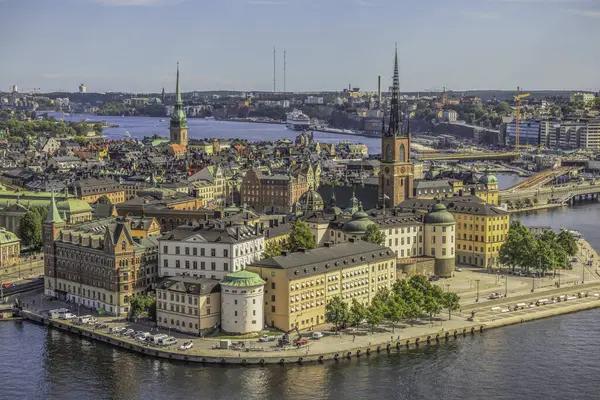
53,215
439,215
242,278
7,236
178,119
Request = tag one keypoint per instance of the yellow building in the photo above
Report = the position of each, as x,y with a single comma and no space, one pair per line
10,248
300,284
90,190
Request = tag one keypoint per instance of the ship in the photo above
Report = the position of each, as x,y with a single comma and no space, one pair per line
127,134
297,121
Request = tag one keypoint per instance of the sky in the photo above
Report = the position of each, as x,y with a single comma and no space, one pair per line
134,45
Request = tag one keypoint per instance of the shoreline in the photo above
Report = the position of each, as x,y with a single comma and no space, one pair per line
536,208
347,351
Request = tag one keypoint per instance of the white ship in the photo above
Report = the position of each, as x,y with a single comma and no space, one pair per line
297,121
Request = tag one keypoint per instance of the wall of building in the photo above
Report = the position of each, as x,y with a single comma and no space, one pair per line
242,309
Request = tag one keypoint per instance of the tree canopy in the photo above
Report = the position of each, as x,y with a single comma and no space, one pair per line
31,229
374,234
301,237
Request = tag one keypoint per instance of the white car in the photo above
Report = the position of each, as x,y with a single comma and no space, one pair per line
263,338
68,316
495,296
317,335
186,346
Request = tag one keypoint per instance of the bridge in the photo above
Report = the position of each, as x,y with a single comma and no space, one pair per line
468,156
566,193
543,178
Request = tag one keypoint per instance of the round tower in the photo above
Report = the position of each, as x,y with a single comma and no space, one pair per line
440,229
242,296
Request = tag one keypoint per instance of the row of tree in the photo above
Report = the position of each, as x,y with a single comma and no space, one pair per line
518,204
545,252
30,229
408,300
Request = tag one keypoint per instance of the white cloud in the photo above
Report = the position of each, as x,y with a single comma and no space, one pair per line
481,14
586,13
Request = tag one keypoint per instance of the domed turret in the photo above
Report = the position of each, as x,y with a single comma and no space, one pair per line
311,200
488,179
439,215
359,222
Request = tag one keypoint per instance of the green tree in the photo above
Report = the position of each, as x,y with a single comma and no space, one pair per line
374,234
536,200
301,237
272,249
104,200
517,249
31,229
567,241
375,313
142,305
451,301
431,305
336,312
395,308
358,313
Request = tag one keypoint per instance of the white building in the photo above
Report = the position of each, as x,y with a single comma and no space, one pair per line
314,100
450,116
242,298
208,251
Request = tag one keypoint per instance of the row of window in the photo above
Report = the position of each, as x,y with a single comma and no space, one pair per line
213,252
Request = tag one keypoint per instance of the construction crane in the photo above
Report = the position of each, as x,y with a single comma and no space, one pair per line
517,99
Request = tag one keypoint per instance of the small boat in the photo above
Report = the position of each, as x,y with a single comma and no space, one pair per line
162,120
127,134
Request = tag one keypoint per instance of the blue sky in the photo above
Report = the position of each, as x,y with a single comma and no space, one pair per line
133,45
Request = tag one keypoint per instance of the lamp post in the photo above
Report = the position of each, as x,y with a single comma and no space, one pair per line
505,285
477,282
532,283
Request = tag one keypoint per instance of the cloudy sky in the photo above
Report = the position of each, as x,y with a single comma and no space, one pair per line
134,45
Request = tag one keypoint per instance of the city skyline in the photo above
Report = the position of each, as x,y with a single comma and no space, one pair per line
133,45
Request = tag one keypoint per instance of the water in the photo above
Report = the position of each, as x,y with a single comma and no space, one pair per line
547,359
199,128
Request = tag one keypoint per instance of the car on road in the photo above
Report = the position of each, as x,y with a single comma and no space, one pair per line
317,335
6,285
67,316
116,329
301,342
495,296
128,332
434,278
186,346
101,325
263,338
41,277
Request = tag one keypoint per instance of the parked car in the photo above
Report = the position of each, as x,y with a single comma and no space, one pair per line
263,338
128,332
301,342
495,296
434,278
186,346
317,335
101,325
68,316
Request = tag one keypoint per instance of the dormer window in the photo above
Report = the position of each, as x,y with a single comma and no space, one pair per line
123,245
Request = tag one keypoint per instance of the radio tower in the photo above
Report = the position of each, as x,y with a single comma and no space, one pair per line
274,73
284,91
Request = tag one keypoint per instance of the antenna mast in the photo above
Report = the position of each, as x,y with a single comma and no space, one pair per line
274,73
284,72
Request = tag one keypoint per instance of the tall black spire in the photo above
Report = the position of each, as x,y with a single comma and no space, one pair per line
395,125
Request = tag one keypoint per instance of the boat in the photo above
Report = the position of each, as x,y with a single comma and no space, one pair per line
127,134
162,120
209,118
296,120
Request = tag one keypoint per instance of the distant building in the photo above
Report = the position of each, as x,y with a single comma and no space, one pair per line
450,116
178,126
10,248
82,88
586,98
314,100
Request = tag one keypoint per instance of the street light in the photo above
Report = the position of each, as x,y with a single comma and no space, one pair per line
477,299
505,285
533,283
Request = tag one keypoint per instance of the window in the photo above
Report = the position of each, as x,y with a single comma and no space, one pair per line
187,264
195,251
272,285
165,250
272,309
444,251
235,302
177,264
177,249
433,251
225,252
443,239
187,251
235,313
202,252
433,240
213,266
213,252
226,266
195,264
208,300
208,311
202,265
123,245
272,297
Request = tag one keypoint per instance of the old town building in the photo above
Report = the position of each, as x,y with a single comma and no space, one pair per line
99,264
209,250
92,189
299,285
10,248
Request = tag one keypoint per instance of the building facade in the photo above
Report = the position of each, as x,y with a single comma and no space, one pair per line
188,305
98,264
299,285
90,190
209,250
10,248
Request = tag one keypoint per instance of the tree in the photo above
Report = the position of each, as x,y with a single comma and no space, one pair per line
431,305
336,312
567,241
517,249
374,234
358,313
301,237
375,313
508,204
450,301
142,305
31,229
104,200
535,200
272,249
395,308
518,204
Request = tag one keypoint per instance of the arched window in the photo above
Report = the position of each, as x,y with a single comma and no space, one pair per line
402,153
388,152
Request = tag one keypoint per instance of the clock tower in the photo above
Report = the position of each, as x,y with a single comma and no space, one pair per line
396,177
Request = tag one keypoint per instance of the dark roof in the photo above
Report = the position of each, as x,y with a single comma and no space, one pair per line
456,204
190,285
214,232
322,259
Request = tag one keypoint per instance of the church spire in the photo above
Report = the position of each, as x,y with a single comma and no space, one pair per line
177,91
53,214
178,119
395,124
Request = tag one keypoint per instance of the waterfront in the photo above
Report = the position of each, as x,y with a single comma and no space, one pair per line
200,128
537,360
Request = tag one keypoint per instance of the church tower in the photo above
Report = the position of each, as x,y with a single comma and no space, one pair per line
50,230
178,126
396,177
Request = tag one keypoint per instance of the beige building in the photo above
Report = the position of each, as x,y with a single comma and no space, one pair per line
188,305
242,298
10,248
298,285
